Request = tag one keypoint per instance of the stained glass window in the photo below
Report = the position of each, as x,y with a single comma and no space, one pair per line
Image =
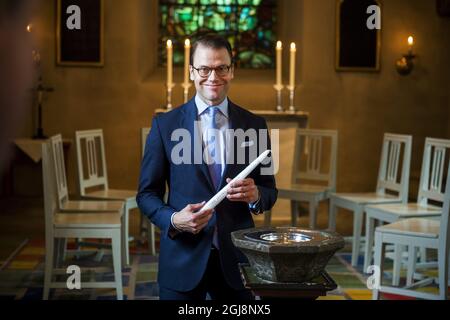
249,25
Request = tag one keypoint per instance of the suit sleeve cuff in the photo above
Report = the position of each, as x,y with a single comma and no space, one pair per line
173,231
255,207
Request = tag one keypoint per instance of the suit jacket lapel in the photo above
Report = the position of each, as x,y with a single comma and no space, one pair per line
188,121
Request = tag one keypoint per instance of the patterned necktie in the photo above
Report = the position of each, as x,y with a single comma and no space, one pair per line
215,167
213,145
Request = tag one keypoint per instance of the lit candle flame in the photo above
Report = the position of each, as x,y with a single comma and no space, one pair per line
169,43
293,47
410,41
29,27
279,45
187,43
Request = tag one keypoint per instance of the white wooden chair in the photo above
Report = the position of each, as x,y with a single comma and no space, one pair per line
414,233
146,225
64,203
93,178
430,189
61,226
313,181
395,147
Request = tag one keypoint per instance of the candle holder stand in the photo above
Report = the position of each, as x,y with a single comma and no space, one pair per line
278,89
291,98
186,87
169,95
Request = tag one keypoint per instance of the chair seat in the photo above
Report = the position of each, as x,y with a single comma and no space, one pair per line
96,205
308,188
87,220
413,227
366,198
294,190
113,194
406,210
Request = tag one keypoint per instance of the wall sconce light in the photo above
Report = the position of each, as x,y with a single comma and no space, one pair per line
405,64
36,56
40,89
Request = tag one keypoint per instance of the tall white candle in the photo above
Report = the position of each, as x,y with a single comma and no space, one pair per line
292,66
187,52
410,44
214,201
279,66
169,63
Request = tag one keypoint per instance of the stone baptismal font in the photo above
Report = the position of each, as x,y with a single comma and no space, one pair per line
288,259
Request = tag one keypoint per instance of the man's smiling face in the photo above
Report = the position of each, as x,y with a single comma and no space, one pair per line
214,88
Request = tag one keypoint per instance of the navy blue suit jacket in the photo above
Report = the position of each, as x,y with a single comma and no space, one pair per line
183,258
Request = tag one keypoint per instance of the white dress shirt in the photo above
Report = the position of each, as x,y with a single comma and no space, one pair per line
204,119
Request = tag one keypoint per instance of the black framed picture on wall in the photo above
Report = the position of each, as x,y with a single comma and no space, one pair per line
79,33
443,8
358,38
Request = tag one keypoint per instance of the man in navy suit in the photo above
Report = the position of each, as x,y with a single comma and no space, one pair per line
197,255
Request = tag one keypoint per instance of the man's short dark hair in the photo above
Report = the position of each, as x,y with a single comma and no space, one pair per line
214,41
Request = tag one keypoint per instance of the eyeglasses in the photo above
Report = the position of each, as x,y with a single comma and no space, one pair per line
220,71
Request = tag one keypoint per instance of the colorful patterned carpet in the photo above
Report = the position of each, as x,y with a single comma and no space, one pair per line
22,277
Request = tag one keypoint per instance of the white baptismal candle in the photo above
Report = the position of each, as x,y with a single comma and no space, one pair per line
214,201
